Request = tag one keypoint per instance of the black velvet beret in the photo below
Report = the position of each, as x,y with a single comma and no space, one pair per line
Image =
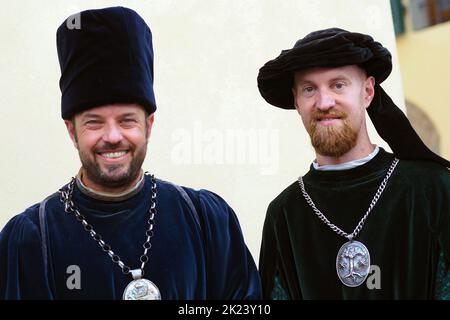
324,48
336,47
109,59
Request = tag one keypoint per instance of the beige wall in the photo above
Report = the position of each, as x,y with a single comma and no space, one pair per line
425,70
212,128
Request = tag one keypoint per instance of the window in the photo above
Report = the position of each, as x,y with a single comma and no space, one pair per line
425,13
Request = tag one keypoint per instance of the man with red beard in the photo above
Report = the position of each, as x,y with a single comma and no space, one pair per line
363,223
115,232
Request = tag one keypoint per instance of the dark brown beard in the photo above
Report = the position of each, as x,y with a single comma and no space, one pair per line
94,172
332,141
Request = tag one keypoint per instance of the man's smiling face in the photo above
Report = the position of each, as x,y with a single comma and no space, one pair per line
112,144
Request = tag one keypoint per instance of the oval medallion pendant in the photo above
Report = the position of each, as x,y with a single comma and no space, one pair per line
141,289
353,263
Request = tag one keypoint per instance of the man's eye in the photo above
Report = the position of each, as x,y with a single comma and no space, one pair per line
339,85
128,121
92,122
308,91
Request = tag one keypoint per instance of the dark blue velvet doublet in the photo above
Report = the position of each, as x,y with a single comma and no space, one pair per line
188,259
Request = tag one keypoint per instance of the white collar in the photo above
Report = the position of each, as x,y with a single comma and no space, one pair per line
346,165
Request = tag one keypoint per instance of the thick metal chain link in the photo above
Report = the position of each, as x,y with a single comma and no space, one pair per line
358,228
69,207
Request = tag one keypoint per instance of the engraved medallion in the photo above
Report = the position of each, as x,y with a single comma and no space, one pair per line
353,259
141,289
353,263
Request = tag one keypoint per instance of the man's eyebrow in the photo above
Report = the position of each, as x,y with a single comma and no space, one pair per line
303,82
341,77
336,78
90,115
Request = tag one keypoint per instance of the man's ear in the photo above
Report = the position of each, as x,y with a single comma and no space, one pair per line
149,124
70,125
369,91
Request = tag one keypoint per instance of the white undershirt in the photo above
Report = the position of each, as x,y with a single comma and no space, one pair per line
346,165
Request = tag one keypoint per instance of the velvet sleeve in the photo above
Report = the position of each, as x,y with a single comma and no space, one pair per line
269,260
22,274
442,191
231,270
268,256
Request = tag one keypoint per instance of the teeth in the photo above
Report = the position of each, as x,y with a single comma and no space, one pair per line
112,155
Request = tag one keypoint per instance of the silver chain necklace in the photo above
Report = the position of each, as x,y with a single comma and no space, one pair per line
140,288
353,258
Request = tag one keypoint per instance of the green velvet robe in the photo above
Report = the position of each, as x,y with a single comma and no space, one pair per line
407,233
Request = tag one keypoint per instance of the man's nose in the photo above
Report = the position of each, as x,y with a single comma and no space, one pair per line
325,100
112,134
